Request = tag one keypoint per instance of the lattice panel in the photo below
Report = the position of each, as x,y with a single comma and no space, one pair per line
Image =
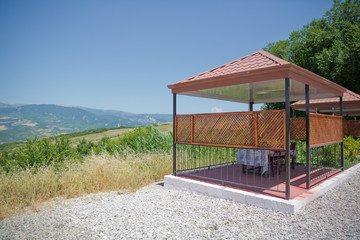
183,128
346,127
227,129
325,129
352,128
298,129
263,129
271,129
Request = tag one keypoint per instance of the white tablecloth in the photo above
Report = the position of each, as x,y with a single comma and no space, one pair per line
253,157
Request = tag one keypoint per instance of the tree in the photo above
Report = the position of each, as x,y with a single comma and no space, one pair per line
329,46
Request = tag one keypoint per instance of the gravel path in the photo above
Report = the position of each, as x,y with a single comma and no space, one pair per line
157,213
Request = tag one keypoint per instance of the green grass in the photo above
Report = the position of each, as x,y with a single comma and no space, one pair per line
11,146
89,135
38,152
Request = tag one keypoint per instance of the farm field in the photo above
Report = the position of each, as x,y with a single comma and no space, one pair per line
115,133
98,134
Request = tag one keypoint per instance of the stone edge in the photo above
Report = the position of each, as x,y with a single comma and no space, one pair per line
255,199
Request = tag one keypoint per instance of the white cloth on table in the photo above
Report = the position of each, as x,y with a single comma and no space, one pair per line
253,157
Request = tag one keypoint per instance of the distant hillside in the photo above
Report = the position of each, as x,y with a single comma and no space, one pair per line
20,121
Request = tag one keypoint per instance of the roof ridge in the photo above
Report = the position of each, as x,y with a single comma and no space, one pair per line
273,57
261,52
252,61
221,66
236,60
352,93
269,58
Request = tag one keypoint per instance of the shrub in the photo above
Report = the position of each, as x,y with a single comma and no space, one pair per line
351,147
84,148
37,153
145,139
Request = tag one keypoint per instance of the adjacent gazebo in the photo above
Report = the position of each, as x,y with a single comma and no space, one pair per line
351,104
242,149
351,107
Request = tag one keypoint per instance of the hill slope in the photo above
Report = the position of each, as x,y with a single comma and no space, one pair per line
20,121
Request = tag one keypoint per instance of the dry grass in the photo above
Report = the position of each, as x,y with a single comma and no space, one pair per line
165,127
97,174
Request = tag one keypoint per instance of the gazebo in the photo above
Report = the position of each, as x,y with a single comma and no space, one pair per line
351,107
245,149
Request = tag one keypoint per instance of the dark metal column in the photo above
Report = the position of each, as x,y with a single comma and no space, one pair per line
342,143
250,96
307,101
174,134
251,106
287,127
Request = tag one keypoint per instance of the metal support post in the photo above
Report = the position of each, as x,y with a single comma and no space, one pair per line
287,129
342,143
174,134
307,101
251,106
250,96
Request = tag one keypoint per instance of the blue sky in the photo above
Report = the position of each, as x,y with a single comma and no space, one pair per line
121,55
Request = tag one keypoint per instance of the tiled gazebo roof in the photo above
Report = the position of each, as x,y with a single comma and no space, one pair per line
256,78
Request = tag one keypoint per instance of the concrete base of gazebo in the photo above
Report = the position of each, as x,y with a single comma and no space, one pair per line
254,198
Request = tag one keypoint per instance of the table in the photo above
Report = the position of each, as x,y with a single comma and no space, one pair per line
260,157
254,157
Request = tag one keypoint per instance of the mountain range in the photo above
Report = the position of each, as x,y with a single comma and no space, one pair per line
17,122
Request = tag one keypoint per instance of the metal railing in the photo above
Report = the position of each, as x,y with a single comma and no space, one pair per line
325,160
219,165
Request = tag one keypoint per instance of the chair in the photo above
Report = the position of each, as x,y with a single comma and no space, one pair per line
293,154
276,157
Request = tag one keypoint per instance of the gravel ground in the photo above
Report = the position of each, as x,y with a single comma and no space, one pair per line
157,213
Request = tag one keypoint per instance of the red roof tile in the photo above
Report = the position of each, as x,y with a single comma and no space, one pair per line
254,61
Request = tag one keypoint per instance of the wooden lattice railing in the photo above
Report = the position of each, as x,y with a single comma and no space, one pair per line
352,128
298,129
324,129
260,129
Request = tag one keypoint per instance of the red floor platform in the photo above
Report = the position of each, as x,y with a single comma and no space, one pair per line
233,176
